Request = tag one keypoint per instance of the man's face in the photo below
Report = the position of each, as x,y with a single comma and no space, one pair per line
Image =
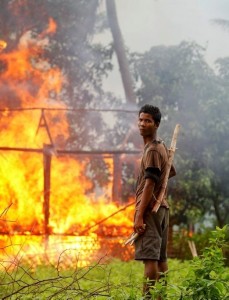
146,125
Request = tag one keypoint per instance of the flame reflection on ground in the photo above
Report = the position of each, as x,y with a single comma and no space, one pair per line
64,251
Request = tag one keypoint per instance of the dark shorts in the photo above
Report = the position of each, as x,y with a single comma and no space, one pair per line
153,243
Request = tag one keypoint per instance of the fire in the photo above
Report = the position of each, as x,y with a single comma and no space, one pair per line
72,211
3,45
31,74
67,250
51,27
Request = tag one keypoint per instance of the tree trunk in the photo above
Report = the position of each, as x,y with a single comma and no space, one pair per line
217,212
120,52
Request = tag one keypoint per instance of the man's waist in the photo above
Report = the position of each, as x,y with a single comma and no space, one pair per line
152,202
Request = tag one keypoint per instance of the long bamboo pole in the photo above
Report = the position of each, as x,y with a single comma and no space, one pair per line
168,168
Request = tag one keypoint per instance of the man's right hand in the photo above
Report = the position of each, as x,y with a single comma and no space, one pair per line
139,225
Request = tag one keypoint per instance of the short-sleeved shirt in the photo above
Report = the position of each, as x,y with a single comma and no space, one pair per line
153,165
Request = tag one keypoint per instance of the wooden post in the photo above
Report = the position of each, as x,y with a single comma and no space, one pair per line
117,179
43,123
47,157
192,247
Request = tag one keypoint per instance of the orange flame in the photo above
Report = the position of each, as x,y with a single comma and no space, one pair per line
51,29
52,26
3,45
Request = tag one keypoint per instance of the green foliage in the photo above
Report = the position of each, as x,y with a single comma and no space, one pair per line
116,280
205,278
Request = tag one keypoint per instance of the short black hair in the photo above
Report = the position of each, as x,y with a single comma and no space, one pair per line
151,110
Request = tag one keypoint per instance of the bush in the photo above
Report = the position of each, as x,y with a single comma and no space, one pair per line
201,240
206,278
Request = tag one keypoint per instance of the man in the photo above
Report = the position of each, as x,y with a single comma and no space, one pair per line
151,245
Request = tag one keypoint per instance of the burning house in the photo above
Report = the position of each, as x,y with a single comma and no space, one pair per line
48,205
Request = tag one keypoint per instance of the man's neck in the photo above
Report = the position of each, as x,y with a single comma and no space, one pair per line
148,139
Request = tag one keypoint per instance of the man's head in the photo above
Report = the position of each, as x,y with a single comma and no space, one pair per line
149,121
153,111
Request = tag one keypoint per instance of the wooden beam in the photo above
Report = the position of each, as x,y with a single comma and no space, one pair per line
79,152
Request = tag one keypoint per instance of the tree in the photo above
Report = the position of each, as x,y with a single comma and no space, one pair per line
222,22
120,51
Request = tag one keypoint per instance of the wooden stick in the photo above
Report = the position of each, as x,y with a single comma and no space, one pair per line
103,220
169,164
192,247
133,237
